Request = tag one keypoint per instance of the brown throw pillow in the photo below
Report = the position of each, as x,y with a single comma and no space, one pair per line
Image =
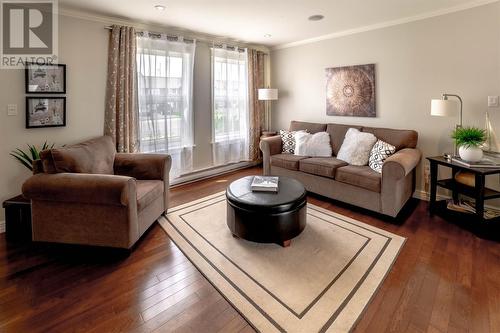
47,161
95,156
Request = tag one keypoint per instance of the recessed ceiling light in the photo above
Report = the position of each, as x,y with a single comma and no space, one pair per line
268,35
160,8
315,18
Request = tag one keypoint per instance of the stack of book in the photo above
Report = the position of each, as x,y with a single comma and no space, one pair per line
265,184
466,206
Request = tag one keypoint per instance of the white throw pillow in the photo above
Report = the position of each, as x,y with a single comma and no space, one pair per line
379,153
313,145
356,147
288,141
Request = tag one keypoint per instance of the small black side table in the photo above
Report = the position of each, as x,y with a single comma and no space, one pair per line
17,219
480,193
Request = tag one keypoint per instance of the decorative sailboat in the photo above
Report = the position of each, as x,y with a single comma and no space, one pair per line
490,146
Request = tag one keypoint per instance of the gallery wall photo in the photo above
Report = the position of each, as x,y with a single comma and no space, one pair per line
41,81
45,112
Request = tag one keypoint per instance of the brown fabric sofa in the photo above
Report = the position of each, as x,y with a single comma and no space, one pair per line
88,194
384,193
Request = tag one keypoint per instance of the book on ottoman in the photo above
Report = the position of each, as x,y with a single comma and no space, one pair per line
265,184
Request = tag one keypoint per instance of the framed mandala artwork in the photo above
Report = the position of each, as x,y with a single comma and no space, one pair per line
350,91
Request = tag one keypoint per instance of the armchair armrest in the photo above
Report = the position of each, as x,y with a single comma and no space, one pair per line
400,164
143,166
269,146
81,188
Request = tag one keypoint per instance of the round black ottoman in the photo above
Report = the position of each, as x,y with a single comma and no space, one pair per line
266,217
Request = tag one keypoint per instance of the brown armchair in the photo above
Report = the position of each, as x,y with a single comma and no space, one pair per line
88,194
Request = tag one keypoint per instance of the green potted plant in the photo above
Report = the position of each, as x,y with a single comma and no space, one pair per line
469,141
26,158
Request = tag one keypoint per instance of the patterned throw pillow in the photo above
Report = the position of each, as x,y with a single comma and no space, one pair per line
380,152
288,141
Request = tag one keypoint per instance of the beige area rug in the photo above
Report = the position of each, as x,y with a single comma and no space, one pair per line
321,283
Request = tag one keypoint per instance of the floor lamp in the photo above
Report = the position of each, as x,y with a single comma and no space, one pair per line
267,95
446,108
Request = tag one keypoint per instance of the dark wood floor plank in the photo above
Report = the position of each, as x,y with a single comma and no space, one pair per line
204,320
192,312
444,280
187,282
234,325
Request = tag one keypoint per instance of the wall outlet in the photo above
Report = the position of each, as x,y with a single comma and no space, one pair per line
492,101
12,110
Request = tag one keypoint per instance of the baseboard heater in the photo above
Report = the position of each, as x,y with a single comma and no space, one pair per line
211,172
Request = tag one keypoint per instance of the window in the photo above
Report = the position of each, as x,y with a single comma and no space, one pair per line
230,109
164,105
165,76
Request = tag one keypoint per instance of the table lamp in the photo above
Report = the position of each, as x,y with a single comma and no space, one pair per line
446,108
267,95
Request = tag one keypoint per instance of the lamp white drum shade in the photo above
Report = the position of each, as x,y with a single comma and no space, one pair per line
268,94
443,107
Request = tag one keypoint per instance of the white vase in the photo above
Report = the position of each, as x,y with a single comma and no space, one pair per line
470,154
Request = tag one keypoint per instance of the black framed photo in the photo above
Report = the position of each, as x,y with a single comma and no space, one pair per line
45,79
45,112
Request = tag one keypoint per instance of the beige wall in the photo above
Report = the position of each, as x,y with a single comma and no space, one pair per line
83,47
415,62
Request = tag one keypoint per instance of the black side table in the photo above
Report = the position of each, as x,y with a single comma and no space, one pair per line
474,222
17,219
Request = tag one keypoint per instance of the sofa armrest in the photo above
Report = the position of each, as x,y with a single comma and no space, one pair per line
400,164
81,188
143,166
398,180
269,146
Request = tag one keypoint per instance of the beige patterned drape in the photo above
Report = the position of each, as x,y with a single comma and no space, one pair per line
121,115
255,81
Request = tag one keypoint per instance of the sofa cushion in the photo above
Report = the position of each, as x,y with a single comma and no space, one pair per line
47,161
308,127
287,161
288,141
356,147
321,166
94,156
313,145
147,192
380,152
398,138
361,176
337,134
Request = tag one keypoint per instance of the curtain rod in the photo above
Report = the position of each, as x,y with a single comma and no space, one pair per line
187,40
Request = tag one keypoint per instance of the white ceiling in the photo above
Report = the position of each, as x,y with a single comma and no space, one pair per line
250,20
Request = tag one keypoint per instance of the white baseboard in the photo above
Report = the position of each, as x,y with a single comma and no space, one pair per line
2,227
423,195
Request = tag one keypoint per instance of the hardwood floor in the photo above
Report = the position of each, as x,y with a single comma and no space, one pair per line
444,280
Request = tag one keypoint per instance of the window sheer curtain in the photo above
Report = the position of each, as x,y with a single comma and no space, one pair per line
165,89
230,106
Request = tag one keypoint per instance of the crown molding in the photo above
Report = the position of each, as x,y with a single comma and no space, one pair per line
386,24
142,25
